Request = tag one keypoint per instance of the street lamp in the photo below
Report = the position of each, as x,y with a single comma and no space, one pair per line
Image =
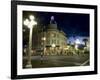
53,45
44,39
30,24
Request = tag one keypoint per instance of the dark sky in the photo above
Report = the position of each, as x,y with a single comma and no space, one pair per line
72,24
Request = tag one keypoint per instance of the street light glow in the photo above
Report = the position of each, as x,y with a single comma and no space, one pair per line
44,38
77,41
53,45
30,23
26,22
31,17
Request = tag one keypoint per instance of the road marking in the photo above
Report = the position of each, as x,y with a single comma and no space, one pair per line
85,63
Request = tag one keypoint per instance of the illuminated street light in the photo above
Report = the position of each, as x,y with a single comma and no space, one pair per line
44,38
31,17
53,45
77,42
30,24
26,22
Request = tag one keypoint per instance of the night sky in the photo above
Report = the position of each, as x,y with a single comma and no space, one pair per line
72,24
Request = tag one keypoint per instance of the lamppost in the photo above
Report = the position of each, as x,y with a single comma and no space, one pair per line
44,39
30,24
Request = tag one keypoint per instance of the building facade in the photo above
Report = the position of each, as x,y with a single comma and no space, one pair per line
49,40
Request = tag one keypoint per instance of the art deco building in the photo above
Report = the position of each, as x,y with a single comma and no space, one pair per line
49,40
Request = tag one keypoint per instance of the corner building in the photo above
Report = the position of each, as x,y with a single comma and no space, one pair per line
49,40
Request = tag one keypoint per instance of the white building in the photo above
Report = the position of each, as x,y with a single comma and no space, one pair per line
49,39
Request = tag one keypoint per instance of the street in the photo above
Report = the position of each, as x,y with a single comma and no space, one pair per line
58,61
